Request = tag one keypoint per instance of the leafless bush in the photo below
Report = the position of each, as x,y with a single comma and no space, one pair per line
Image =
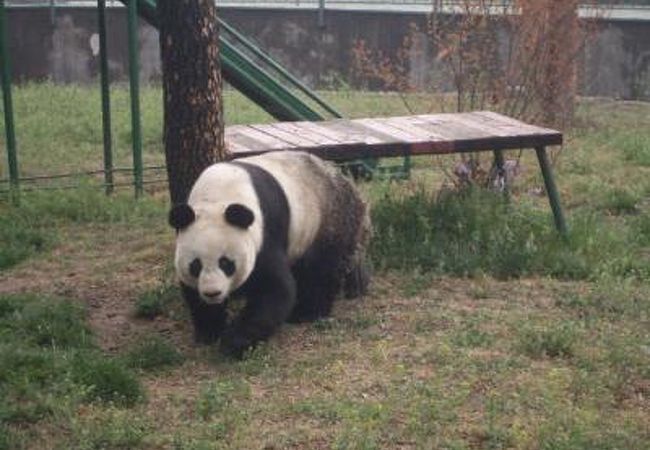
519,58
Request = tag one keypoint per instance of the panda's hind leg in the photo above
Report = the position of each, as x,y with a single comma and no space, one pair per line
318,282
356,281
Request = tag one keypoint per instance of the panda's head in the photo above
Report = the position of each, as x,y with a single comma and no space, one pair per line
215,247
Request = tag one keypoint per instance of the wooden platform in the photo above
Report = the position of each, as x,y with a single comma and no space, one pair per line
429,134
343,140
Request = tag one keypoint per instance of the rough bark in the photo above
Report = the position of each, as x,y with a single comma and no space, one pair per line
193,113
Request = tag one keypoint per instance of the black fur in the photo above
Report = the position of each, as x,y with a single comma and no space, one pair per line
270,290
209,320
239,216
276,292
327,268
181,215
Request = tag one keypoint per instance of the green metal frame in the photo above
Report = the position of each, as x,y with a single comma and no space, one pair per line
258,77
10,133
551,190
134,83
106,99
248,77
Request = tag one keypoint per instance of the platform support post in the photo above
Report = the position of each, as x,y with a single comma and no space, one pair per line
106,99
551,190
134,79
8,103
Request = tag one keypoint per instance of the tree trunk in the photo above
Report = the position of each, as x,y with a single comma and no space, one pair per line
193,129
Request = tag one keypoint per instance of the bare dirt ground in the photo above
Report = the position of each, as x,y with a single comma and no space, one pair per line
364,353
106,271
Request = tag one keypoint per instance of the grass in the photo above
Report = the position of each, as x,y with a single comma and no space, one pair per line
483,329
153,353
50,363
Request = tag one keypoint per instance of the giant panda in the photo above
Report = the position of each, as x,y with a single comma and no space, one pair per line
285,230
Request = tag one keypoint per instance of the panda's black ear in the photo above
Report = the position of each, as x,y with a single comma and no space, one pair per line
181,215
239,215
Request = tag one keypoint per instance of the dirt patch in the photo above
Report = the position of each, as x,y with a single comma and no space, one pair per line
106,273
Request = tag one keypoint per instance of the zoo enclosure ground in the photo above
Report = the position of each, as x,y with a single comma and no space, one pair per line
462,347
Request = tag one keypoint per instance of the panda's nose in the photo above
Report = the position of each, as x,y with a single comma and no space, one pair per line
212,294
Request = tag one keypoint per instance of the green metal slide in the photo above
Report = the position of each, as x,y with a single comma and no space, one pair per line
256,75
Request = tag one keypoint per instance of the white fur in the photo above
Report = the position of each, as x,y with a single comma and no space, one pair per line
303,196
211,237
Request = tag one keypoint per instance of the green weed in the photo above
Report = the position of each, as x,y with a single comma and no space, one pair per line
620,201
107,380
555,341
114,429
31,226
470,233
153,352
49,362
635,147
217,398
156,302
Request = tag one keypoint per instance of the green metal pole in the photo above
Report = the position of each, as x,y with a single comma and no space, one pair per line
134,73
8,104
106,99
499,164
551,190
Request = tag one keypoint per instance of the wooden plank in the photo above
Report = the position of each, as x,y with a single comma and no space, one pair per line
294,139
324,129
270,142
233,146
356,133
411,124
505,121
471,121
450,128
299,128
234,134
394,136
384,126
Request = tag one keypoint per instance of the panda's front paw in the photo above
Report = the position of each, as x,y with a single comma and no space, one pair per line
206,336
234,344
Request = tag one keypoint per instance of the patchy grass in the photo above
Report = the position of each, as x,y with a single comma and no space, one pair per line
156,302
50,365
153,352
483,329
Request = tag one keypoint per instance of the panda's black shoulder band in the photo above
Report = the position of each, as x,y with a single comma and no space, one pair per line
181,215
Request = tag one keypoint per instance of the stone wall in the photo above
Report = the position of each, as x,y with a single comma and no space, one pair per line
63,48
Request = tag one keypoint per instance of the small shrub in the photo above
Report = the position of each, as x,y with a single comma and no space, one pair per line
87,204
154,353
19,241
107,379
154,303
114,429
619,202
217,397
552,342
54,323
635,147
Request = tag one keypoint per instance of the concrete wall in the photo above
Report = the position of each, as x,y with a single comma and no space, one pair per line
616,62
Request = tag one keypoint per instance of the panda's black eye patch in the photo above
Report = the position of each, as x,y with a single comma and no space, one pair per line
195,267
227,265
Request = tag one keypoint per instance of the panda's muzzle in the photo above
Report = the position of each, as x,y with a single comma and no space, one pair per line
212,295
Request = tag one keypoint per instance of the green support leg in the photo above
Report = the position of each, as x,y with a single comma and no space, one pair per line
106,100
134,74
499,163
8,104
551,190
